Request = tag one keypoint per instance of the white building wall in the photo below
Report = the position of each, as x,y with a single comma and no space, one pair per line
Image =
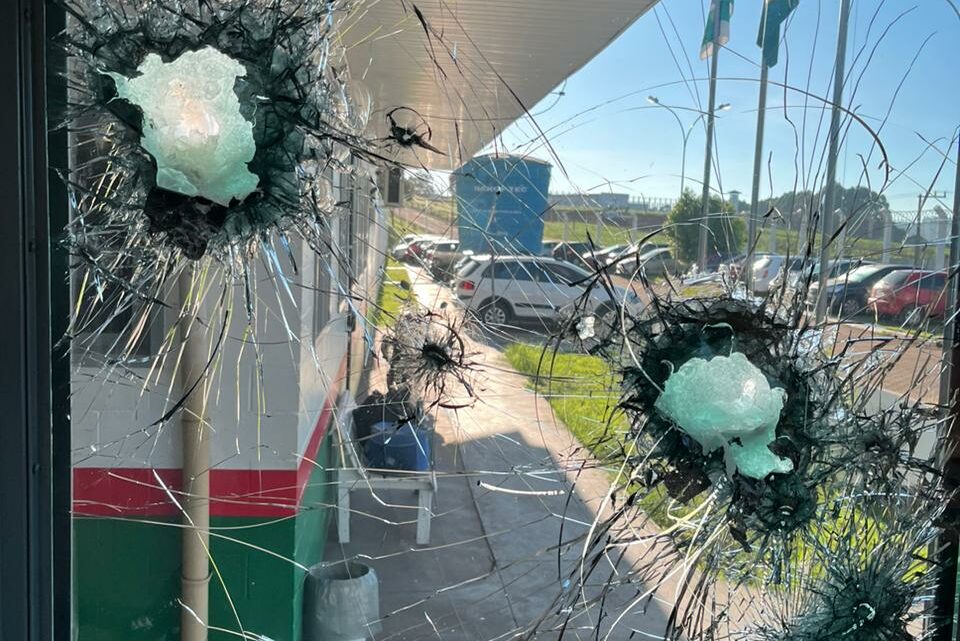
266,396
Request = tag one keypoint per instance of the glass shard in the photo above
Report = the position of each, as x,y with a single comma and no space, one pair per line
192,125
727,402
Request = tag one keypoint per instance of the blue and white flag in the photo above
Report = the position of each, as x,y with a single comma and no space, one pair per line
711,35
775,13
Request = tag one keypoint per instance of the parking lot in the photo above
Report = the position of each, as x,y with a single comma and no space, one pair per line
891,309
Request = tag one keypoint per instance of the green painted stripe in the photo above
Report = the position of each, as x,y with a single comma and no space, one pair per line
127,571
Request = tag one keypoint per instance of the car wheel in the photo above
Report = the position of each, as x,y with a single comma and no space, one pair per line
495,313
911,316
850,307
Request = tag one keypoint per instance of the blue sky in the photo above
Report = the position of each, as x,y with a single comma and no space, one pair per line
608,136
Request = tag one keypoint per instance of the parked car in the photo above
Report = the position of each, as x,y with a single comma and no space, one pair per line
837,269
465,257
806,270
733,268
658,262
790,270
441,257
398,250
909,295
603,256
417,250
401,251
571,252
501,289
764,270
847,293
632,250
716,260
547,247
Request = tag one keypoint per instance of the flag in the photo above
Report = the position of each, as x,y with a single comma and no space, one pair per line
775,13
710,38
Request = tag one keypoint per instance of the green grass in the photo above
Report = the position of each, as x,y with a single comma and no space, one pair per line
444,209
399,227
582,391
392,296
852,247
578,231
931,330
701,291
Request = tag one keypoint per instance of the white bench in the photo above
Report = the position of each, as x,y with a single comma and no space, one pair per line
352,475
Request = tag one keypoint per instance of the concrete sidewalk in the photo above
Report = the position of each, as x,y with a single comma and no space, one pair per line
514,503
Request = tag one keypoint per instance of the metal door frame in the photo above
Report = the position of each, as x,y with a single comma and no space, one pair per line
35,551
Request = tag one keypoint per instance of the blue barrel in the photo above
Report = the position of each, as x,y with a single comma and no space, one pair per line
501,201
398,448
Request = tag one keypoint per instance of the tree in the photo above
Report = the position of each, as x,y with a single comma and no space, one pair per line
864,208
419,183
725,232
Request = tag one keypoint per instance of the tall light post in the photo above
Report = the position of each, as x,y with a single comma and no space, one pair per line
684,131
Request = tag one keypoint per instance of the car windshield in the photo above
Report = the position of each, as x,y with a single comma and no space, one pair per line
862,273
896,278
573,272
467,268
655,253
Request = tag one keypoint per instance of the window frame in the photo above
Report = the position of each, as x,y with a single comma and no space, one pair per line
35,468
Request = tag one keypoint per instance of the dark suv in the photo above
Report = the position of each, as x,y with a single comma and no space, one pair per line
847,294
571,253
441,257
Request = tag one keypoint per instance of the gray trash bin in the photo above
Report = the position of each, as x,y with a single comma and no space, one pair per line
341,602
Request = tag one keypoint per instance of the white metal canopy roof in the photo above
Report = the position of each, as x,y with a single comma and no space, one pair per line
471,67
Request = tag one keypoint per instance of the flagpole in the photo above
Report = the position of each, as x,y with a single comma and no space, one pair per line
747,270
707,161
826,212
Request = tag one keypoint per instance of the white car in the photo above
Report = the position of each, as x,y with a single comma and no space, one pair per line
764,270
501,289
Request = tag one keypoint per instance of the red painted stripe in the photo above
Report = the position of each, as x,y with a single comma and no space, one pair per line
145,492
253,493
124,491
308,461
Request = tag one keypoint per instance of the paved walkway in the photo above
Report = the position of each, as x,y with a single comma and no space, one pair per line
512,505
915,374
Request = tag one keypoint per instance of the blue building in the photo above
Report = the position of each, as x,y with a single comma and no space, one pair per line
501,201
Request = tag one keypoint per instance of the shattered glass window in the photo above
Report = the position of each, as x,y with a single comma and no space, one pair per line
476,321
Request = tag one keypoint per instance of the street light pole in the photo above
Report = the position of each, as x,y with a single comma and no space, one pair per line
686,136
685,133
708,154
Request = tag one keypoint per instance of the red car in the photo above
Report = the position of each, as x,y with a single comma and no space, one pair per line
417,250
904,292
